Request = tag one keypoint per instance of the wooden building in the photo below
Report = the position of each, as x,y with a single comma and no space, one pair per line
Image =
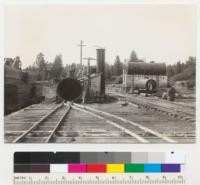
21,88
95,84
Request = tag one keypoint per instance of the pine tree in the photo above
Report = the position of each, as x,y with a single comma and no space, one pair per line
108,72
118,67
178,67
133,57
57,68
40,62
170,71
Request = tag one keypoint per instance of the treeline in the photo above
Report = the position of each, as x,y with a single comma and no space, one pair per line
180,66
114,71
183,72
56,70
48,70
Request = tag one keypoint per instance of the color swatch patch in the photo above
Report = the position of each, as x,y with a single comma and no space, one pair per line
97,162
115,168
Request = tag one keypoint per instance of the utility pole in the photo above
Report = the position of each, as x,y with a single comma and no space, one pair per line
81,45
88,75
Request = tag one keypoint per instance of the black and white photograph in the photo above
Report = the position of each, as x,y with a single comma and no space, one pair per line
100,73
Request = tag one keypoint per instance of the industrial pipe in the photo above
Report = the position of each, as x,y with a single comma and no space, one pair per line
69,89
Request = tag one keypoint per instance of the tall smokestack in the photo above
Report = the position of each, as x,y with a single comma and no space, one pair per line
101,68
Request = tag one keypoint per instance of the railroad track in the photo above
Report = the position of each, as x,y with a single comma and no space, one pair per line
161,106
123,123
63,124
56,116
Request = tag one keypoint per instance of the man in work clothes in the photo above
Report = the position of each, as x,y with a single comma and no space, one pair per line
171,93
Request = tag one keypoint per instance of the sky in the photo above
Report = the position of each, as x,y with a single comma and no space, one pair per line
162,33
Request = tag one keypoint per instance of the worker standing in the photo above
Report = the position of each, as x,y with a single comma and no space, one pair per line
171,93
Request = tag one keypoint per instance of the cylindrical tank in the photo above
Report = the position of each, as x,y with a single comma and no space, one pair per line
143,68
69,89
147,76
149,84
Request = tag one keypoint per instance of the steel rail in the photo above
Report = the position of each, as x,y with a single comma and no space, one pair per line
130,122
114,124
58,125
177,112
18,139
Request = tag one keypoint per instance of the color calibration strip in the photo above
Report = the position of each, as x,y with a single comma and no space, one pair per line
97,168
98,162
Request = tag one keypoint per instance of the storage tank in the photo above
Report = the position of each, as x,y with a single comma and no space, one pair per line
146,76
143,68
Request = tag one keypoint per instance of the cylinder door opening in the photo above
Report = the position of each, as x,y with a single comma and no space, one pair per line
151,86
69,89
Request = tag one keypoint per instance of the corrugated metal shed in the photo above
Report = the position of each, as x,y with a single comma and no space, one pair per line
143,68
